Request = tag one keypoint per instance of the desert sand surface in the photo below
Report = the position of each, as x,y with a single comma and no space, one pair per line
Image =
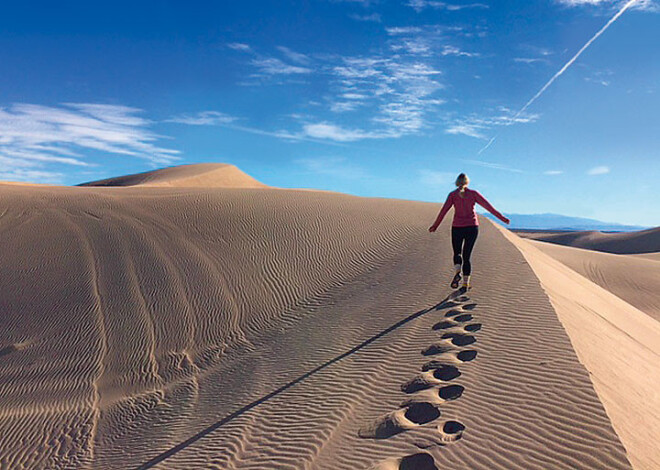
617,343
651,256
643,241
635,279
217,327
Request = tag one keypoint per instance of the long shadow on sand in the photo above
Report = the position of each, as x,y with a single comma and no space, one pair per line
204,432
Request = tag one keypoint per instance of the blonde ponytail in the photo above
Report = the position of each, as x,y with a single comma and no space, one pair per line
462,181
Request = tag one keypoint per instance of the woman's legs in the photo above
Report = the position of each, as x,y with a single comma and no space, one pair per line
462,242
457,244
470,237
457,238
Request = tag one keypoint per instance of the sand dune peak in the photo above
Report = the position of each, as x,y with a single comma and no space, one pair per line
209,175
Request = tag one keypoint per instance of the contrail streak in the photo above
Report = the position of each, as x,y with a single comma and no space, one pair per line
562,70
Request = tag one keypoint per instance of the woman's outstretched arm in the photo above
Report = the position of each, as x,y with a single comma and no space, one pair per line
486,205
445,208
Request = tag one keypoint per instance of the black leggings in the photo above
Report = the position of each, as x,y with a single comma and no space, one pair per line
462,240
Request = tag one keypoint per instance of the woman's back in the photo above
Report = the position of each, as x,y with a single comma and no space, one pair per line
464,213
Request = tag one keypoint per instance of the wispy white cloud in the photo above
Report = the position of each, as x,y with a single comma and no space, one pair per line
478,126
528,60
203,118
495,166
598,170
599,81
601,77
573,3
533,54
373,17
401,91
419,5
329,131
400,30
35,136
415,46
344,106
430,41
215,118
453,50
364,3
237,46
466,128
332,166
294,56
553,172
275,66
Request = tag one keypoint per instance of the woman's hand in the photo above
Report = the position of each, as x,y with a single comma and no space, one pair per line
433,228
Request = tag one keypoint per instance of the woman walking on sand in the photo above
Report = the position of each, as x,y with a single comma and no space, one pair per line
465,227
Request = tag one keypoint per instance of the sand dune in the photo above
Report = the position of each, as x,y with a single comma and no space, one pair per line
645,241
635,279
243,328
205,175
617,343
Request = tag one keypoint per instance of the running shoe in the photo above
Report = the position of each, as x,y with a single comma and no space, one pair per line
456,280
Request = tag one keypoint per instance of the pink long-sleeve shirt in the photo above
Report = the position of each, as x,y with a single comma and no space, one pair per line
464,213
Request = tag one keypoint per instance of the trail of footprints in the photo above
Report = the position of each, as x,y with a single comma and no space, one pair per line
430,389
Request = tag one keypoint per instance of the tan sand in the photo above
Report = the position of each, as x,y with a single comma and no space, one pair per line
645,241
651,256
633,278
208,175
243,328
618,344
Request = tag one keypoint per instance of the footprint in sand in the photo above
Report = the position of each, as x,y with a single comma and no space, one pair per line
431,378
452,322
454,312
411,416
451,431
8,350
12,348
436,349
443,325
436,396
459,339
452,356
446,434
420,461
472,327
462,318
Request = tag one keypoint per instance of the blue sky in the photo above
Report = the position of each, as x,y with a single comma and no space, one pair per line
387,98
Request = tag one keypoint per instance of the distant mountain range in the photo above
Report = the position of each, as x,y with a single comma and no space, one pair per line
563,222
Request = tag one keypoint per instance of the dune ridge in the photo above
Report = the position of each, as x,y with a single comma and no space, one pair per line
633,278
617,343
644,241
203,175
135,319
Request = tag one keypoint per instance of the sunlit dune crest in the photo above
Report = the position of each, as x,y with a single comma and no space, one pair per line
210,175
